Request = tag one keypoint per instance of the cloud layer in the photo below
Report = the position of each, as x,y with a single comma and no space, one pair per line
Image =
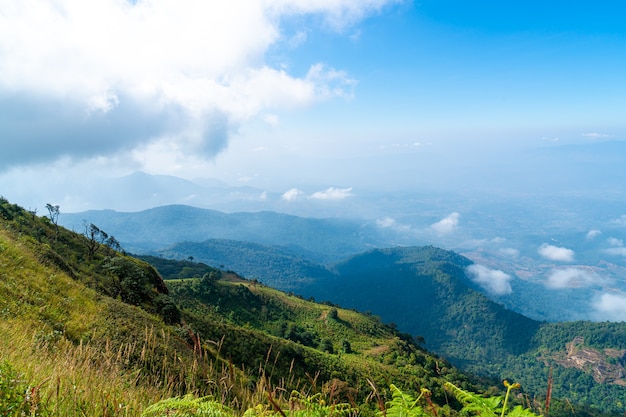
570,278
110,75
492,280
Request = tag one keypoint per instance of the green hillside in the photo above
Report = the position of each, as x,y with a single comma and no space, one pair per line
89,331
425,292
278,267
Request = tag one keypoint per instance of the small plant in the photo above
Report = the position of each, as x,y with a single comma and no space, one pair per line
316,406
16,398
489,406
403,404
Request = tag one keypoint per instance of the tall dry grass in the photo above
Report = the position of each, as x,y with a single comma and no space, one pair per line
67,379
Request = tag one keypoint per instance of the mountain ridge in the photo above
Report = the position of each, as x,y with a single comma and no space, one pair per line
329,238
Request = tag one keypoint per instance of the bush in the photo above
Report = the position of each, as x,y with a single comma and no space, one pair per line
167,309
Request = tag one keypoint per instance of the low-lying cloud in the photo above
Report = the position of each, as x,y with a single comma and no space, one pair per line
332,193
446,225
492,280
556,253
292,194
511,252
571,278
610,307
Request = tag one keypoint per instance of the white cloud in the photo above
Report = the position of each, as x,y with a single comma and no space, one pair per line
595,135
610,307
512,252
592,234
613,241
617,247
391,223
386,222
556,253
332,193
446,225
292,194
570,278
620,251
492,280
189,72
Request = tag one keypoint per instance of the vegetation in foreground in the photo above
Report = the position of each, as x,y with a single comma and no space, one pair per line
88,331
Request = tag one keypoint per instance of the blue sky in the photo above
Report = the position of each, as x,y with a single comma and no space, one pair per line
288,94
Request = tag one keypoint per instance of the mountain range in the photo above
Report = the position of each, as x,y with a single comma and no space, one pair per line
423,290
529,278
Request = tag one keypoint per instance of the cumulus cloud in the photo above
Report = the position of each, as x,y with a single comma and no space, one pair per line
292,194
610,307
571,278
592,234
108,76
446,225
332,193
492,280
556,253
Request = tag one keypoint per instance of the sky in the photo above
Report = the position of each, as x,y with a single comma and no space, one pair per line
289,94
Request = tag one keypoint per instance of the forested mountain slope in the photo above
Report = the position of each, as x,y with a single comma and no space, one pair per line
279,267
424,291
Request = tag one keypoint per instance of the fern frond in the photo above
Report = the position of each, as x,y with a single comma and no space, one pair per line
519,411
315,406
402,405
474,403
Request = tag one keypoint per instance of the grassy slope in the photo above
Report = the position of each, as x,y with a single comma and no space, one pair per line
85,351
